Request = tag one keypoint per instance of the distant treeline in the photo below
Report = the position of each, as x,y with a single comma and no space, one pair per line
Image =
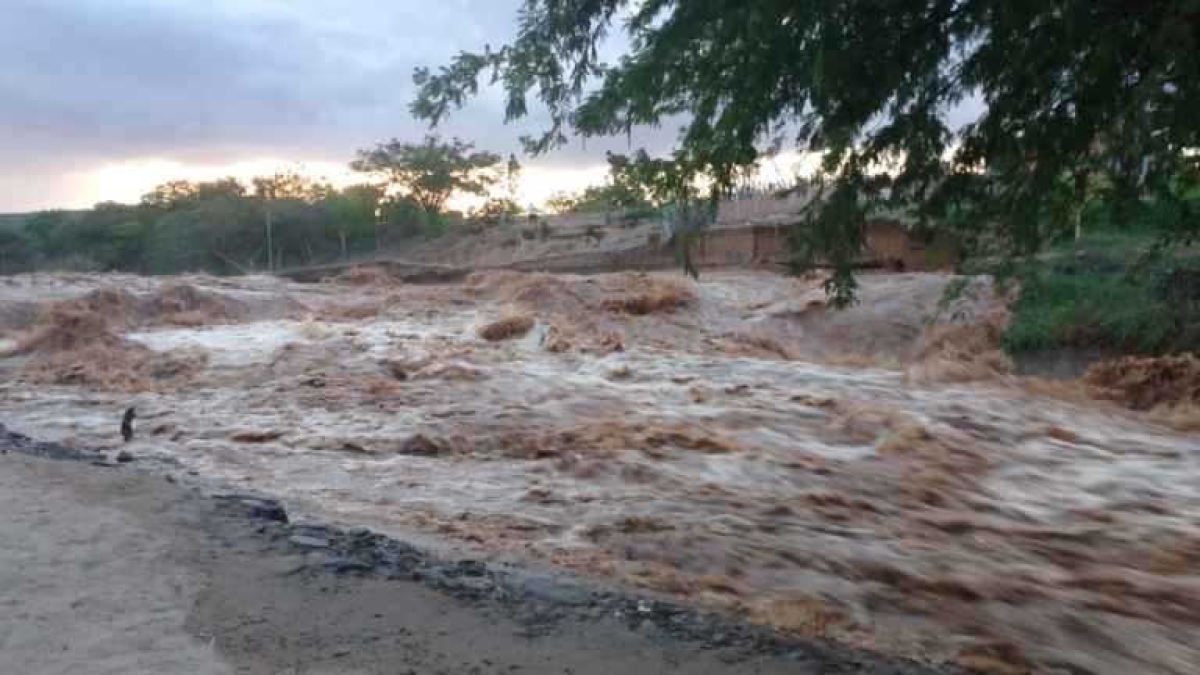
287,220
219,227
228,227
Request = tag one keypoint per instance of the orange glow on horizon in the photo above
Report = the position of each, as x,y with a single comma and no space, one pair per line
128,181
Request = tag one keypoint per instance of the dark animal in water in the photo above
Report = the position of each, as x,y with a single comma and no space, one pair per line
127,424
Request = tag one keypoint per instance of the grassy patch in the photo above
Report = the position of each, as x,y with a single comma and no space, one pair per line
1085,310
1109,291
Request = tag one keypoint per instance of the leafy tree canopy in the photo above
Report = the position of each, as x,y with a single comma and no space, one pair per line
290,185
634,183
1068,87
432,171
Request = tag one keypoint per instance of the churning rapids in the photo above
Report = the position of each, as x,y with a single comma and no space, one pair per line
730,442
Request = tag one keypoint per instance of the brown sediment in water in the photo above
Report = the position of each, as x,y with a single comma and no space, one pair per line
75,343
124,367
656,296
757,346
507,328
804,616
581,443
356,312
1180,416
175,304
1167,387
557,339
118,308
1143,383
365,276
630,293
186,305
961,353
1002,520
65,328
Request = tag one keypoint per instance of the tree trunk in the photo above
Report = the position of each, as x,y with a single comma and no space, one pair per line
270,244
1081,182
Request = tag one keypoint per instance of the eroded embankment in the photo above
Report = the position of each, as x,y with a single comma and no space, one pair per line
858,476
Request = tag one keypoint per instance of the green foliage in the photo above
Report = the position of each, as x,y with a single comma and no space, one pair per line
1113,290
226,227
289,185
496,210
833,233
351,214
16,250
1090,310
432,171
1078,93
216,227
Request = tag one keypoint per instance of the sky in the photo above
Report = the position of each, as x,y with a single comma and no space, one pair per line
104,99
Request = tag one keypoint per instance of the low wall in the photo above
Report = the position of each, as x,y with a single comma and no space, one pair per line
889,244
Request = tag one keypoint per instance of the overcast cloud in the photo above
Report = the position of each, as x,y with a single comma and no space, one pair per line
86,84
101,99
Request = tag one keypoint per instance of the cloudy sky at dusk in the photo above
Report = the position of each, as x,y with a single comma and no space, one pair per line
103,99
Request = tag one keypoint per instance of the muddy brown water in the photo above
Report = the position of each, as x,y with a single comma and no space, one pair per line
980,522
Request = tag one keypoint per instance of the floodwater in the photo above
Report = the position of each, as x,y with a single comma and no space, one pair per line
715,456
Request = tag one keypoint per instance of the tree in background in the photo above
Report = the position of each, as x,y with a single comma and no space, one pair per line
502,207
630,186
45,231
355,213
512,179
432,171
872,87
170,195
275,191
215,226
16,250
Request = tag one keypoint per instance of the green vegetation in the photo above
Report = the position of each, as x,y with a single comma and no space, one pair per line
628,193
432,171
1117,291
1085,100
287,219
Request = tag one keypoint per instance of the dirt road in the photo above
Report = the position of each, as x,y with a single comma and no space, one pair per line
117,570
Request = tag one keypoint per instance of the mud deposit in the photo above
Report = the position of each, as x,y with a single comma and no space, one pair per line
732,445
